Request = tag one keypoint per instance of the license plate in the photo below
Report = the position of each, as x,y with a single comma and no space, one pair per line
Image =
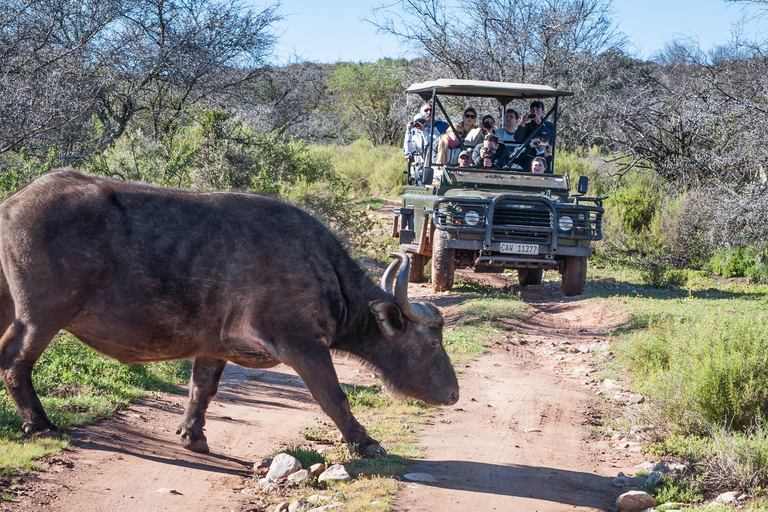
519,248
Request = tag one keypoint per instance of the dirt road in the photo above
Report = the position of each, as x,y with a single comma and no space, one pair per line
517,440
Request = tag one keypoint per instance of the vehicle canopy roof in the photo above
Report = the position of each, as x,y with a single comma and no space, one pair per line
502,91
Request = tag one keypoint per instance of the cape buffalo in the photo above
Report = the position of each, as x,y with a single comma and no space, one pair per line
143,273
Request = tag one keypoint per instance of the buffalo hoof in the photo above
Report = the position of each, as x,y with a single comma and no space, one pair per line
198,446
372,451
36,433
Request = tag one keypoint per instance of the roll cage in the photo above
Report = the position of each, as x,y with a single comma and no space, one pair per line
503,92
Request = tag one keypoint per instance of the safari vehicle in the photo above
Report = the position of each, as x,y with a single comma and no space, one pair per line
494,219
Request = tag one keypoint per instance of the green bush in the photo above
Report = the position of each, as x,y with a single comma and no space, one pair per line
368,170
738,461
732,262
748,262
636,207
701,373
660,275
585,163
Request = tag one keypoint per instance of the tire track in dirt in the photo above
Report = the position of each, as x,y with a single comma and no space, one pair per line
516,441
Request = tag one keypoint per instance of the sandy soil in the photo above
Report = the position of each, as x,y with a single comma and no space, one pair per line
518,440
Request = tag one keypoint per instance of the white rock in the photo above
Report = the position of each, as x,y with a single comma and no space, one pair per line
420,477
282,466
636,399
653,478
628,481
282,507
299,476
318,499
335,472
634,501
299,505
729,497
168,490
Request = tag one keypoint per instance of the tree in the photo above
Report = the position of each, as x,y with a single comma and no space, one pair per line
370,96
48,81
507,40
75,73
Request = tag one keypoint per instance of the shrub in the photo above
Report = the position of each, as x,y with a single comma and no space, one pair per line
703,373
661,275
636,207
738,461
732,262
585,163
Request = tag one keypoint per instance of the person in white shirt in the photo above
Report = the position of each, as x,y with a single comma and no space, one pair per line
510,135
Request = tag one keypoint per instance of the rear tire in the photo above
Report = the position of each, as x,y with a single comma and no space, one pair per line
529,276
574,275
443,263
418,262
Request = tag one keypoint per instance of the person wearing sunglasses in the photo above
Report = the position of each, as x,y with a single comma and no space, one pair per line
477,135
468,122
440,126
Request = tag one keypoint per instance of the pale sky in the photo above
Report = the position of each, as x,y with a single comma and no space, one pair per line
332,30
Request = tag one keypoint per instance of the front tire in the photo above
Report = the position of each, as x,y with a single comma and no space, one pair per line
574,275
529,276
443,263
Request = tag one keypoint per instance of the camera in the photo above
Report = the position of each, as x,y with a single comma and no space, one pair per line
531,116
487,125
487,152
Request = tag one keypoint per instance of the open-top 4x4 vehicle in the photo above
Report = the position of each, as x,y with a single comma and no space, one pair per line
492,219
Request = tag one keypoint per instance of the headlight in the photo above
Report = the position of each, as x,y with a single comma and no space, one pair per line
566,223
472,218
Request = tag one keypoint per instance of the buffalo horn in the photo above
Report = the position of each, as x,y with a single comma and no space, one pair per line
388,279
415,312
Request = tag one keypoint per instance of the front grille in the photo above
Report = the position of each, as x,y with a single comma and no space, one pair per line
522,222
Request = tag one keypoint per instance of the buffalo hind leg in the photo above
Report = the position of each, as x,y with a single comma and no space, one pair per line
20,347
316,370
206,374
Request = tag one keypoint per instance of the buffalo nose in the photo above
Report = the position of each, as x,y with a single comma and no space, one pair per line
454,397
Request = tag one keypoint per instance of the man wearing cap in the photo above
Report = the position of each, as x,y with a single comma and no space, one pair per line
465,159
539,147
491,153
415,143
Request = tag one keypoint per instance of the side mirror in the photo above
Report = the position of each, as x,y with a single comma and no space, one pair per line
426,175
583,185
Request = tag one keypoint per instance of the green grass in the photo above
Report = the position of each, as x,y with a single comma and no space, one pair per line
699,353
369,170
78,386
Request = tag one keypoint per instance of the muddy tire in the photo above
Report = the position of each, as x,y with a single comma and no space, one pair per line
528,276
418,262
443,263
574,275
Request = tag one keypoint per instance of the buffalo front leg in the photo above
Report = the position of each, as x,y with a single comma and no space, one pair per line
20,347
317,371
206,374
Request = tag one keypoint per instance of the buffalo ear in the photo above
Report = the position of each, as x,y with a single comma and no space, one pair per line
388,316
